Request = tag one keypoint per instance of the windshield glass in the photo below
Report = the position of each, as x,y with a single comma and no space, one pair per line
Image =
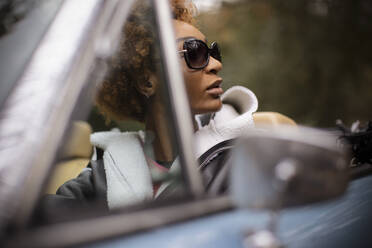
121,152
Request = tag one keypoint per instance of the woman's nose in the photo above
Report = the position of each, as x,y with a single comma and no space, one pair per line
214,66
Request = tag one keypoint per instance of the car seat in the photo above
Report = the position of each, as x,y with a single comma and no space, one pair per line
75,156
272,119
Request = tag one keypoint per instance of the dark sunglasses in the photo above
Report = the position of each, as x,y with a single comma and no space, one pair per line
197,53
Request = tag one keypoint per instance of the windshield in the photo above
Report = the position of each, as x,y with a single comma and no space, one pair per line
125,154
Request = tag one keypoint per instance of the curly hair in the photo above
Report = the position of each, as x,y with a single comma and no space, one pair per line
117,97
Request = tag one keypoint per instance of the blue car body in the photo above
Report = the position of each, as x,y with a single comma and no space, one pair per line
341,222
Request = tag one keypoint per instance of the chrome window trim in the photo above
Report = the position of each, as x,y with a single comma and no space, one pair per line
178,97
58,115
38,15
86,42
90,230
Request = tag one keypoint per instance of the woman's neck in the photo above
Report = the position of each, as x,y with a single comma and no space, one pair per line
157,122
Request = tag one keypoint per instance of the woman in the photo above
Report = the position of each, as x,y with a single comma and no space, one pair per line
126,163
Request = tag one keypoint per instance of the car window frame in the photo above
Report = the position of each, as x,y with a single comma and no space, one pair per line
52,104
32,25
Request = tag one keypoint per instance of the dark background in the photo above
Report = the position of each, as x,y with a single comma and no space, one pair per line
310,60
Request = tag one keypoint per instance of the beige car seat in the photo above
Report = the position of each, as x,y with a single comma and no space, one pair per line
76,155
271,119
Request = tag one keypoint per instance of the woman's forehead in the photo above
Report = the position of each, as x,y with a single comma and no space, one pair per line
184,30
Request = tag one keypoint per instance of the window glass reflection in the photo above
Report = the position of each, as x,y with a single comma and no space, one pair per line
125,153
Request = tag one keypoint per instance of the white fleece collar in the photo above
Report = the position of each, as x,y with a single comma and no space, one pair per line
127,172
233,120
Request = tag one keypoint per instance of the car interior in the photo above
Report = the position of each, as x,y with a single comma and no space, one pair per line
77,150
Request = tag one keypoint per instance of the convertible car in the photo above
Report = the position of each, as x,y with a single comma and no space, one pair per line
280,187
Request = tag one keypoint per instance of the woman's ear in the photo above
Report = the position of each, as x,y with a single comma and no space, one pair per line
149,87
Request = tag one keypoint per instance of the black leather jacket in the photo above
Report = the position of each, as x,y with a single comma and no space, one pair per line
91,184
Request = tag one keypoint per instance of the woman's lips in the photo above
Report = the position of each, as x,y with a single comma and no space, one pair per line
215,89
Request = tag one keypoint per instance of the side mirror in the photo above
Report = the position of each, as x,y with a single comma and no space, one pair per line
286,167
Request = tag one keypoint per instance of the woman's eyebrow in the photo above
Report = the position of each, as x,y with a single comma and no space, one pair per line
185,38
188,37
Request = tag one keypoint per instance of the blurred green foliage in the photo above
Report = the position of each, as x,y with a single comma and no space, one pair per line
310,60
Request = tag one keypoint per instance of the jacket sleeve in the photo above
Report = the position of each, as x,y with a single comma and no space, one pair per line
80,188
89,186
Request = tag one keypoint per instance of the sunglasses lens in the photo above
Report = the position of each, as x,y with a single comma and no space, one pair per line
215,51
197,54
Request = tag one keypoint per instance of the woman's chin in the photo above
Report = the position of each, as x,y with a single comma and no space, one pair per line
212,106
218,105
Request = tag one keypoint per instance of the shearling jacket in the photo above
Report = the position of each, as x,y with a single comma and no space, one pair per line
113,177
